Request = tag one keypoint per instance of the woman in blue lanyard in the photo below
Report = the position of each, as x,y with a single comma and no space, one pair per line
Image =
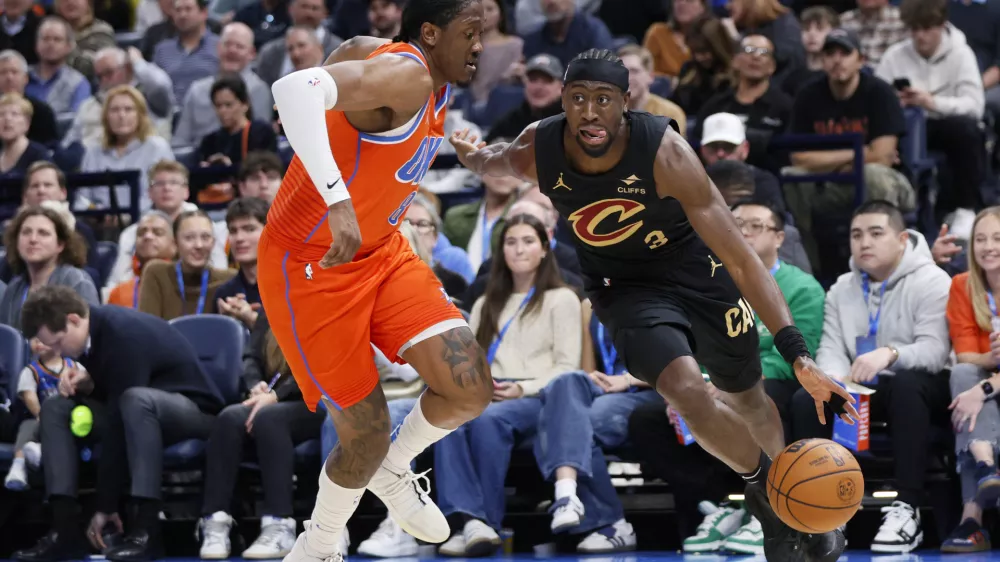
530,325
187,286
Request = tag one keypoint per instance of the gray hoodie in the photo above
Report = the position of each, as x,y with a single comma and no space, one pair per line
912,318
72,277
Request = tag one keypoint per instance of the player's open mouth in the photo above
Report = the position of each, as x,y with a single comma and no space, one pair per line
593,135
470,66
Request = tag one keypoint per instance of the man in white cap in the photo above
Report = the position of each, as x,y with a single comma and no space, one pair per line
724,137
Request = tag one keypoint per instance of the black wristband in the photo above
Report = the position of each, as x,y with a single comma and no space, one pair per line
790,344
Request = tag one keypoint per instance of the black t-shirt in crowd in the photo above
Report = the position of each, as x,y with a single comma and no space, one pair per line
873,110
769,112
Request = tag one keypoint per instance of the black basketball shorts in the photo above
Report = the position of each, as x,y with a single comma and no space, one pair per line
697,311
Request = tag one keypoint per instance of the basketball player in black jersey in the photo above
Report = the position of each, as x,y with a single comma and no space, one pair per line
665,267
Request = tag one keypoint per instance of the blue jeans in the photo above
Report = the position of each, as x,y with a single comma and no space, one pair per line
397,411
579,420
471,463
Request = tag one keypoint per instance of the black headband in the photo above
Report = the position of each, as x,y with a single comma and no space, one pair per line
595,70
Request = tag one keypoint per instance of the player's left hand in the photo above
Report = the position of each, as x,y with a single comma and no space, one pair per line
256,403
965,408
822,389
868,365
465,143
507,391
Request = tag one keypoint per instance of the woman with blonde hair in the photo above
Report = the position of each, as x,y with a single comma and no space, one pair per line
709,71
776,22
128,142
17,152
974,326
665,40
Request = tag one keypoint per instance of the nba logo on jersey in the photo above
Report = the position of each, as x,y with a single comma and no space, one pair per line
445,295
314,81
309,271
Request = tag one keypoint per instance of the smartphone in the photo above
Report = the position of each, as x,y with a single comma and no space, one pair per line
901,83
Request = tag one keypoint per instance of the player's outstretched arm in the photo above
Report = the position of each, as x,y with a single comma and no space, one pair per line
515,159
679,174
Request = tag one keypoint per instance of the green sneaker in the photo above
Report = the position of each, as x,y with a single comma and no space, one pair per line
748,539
718,524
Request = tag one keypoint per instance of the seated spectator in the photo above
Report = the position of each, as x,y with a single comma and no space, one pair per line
17,152
639,63
567,32
944,81
770,19
239,297
129,143
474,226
91,34
736,182
153,240
273,61
151,12
197,114
724,138
20,21
848,101
580,418
973,329
237,133
274,419
447,260
304,48
756,98
708,71
531,15
42,249
878,27
36,382
260,175
980,23
817,22
884,326
542,98
500,59
531,325
156,395
194,53
168,192
114,67
188,286
665,40
385,17
52,80
268,19
13,80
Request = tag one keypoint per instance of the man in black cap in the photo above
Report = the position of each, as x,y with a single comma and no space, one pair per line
542,89
847,101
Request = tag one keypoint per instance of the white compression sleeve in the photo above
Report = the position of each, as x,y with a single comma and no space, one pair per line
302,98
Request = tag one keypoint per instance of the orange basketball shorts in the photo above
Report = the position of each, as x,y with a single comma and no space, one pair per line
325,320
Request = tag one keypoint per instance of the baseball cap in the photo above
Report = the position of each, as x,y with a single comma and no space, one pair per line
546,64
723,127
842,38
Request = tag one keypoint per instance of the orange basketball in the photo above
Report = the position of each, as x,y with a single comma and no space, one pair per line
815,486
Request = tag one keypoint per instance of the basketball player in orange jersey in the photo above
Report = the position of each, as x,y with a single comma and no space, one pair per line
336,276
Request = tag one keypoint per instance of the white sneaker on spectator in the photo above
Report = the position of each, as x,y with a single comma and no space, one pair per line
17,477
299,554
900,531
389,541
214,533
277,536
407,497
32,454
748,539
719,523
567,512
618,537
480,539
453,547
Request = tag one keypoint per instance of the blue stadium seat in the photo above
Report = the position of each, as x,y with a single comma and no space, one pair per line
13,356
218,341
503,100
107,253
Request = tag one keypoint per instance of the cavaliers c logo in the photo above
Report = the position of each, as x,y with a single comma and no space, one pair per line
586,220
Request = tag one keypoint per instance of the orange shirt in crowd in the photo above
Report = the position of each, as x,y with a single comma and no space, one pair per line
125,294
966,335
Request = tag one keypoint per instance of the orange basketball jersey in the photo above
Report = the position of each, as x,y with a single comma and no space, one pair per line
382,172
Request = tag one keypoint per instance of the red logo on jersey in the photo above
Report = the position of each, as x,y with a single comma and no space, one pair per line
586,220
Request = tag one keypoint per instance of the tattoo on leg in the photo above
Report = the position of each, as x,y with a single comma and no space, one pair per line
464,357
364,440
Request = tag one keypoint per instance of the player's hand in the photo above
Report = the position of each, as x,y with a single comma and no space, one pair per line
507,391
465,143
346,235
966,407
98,522
823,389
944,247
867,366
257,402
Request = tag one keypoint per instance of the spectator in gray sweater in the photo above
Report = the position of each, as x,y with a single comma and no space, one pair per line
42,249
885,328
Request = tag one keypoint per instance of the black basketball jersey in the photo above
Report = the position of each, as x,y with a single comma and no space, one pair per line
623,230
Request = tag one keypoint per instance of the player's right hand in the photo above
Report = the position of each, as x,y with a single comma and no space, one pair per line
346,234
823,390
465,143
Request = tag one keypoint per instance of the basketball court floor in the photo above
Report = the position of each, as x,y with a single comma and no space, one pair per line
850,556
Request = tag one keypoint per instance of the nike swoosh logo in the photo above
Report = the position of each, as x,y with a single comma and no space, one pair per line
332,185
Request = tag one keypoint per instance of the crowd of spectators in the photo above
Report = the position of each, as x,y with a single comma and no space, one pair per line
171,88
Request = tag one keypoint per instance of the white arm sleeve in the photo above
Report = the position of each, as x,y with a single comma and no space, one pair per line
302,98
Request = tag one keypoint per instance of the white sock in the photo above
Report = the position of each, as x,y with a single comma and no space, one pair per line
18,461
334,506
415,435
565,487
